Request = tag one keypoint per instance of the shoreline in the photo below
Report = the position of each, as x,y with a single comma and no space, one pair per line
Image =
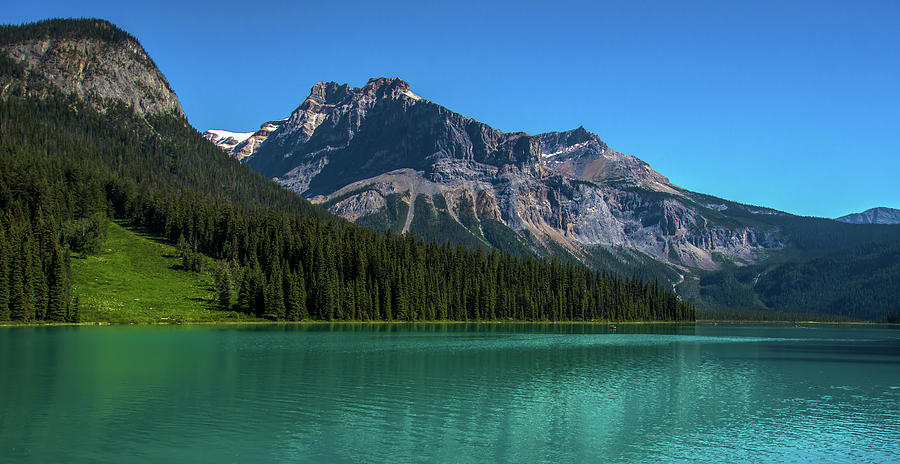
316,322
263,322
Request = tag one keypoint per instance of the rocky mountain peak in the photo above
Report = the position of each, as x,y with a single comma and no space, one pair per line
556,142
342,134
580,154
382,83
325,93
388,87
329,93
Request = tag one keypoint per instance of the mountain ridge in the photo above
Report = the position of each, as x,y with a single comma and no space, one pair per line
877,215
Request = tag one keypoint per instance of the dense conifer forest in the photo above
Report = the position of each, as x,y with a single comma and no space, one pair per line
66,169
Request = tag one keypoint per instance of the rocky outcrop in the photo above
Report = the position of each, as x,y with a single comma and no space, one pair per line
579,154
880,215
93,60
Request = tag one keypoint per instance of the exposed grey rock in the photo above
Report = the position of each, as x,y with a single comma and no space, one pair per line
98,70
879,215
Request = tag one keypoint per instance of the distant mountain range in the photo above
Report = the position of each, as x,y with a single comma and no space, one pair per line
878,215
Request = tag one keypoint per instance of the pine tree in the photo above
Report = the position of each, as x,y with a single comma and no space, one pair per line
56,304
295,304
401,300
4,276
75,311
245,292
257,290
386,302
274,307
302,294
223,287
326,297
19,304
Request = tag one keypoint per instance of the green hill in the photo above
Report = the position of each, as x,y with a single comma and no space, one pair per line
135,277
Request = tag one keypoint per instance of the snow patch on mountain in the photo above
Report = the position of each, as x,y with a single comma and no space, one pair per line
226,139
242,145
567,150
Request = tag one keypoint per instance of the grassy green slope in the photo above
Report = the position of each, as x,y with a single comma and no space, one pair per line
136,278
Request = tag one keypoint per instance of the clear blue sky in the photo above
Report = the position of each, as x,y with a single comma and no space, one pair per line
789,104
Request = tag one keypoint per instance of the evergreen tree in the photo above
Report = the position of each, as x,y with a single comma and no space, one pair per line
18,300
274,299
58,283
4,276
257,290
295,305
75,311
38,277
245,292
223,286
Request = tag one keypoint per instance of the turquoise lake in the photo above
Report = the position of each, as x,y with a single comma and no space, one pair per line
512,393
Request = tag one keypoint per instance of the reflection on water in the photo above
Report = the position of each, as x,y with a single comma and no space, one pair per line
450,393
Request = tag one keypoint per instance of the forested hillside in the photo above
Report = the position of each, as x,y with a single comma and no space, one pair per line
66,167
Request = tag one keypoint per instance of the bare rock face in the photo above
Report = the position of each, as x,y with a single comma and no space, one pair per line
382,126
353,149
579,154
95,61
880,215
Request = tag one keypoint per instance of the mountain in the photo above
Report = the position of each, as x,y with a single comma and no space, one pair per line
383,156
74,155
107,69
878,215
91,59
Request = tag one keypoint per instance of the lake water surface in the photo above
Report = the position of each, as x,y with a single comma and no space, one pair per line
450,393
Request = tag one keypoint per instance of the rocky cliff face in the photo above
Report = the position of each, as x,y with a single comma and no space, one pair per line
358,151
878,215
91,59
340,135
